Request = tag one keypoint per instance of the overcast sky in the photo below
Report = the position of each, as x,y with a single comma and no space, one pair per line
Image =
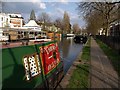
54,9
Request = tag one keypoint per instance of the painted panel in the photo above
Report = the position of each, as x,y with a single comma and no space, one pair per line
50,57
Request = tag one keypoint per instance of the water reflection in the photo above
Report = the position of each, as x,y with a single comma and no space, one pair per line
64,47
69,51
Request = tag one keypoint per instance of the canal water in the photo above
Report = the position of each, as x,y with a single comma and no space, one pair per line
69,52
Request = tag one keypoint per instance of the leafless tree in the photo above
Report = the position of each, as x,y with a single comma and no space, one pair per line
107,10
44,19
76,28
58,23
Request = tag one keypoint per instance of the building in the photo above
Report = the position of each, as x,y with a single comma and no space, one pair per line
16,20
11,20
32,25
34,30
7,22
101,31
4,20
114,29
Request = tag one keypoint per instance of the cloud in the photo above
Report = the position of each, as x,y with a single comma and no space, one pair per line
54,9
53,4
39,3
21,7
34,1
64,1
73,15
61,11
74,18
42,5
50,14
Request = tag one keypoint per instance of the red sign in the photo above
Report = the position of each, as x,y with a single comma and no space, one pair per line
50,57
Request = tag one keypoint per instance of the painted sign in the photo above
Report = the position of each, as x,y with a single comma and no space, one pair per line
50,57
32,66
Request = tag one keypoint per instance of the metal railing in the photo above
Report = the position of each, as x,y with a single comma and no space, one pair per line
111,41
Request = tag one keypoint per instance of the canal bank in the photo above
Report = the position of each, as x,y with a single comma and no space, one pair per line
100,73
65,80
75,65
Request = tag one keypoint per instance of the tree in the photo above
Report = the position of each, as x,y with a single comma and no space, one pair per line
107,10
58,23
118,15
32,15
76,28
94,22
45,19
66,23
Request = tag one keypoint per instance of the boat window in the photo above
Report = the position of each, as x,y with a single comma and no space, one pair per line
31,32
54,55
2,19
32,66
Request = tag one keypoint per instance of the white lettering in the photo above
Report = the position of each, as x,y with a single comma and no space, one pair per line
53,64
47,49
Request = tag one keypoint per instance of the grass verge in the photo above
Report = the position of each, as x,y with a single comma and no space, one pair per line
80,76
86,52
111,54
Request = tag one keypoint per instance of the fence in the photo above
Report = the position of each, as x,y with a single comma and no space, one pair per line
111,41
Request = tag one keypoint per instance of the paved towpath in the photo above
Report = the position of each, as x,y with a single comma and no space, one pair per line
102,73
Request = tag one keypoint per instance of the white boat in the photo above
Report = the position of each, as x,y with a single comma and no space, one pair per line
70,35
40,40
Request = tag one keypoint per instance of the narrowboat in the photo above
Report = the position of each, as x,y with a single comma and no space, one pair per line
80,39
32,66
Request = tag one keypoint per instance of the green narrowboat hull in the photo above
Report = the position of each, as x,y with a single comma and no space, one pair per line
14,72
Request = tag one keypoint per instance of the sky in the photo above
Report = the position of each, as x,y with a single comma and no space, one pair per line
54,9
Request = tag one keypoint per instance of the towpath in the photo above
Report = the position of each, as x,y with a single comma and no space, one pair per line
102,73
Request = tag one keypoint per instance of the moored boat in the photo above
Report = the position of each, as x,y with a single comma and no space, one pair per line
32,66
80,39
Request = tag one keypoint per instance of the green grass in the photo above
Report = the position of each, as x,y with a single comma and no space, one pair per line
86,53
79,79
112,55
80,76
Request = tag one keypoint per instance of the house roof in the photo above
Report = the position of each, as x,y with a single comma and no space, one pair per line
31,23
